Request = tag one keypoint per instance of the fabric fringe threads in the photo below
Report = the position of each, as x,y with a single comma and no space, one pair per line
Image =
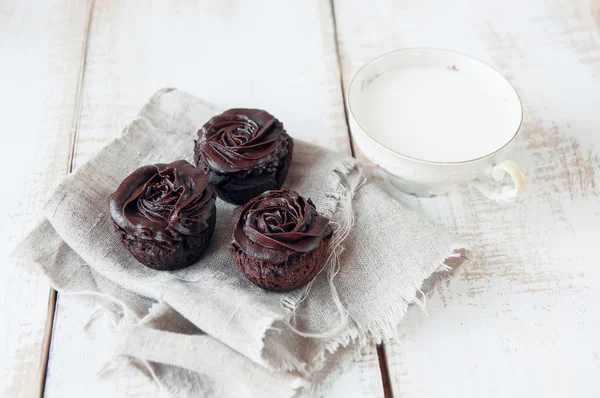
341,200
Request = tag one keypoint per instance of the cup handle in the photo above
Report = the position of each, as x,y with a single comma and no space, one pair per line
505,193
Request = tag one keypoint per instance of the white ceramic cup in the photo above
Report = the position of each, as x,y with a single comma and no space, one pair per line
431,177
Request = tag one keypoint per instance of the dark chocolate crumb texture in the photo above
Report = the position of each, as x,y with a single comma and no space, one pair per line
280,242
165,214
244,153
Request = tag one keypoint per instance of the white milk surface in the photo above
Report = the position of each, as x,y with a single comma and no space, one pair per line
438,114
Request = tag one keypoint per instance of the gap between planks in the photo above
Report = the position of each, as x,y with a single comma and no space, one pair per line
385,371
339,63
383,365
53,296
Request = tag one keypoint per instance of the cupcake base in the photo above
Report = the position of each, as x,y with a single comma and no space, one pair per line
283,277
167,256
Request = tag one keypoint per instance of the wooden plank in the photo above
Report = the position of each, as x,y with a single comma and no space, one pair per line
41,52
266,54
519,320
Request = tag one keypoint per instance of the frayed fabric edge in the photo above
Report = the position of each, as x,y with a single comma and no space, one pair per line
377,332
385,328
349,333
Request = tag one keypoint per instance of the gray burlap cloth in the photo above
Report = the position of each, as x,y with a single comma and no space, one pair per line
206,330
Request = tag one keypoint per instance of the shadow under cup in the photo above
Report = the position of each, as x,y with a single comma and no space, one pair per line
434,119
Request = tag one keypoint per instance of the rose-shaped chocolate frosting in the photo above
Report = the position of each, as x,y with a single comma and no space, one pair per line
241,139
278,224
163,202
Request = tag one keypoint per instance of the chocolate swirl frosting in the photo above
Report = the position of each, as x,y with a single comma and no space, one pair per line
164,202
278,224
241,139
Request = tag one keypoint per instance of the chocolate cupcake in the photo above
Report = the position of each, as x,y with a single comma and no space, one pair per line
244,153
165,214
280,242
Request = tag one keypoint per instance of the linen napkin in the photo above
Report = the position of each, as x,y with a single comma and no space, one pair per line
206,330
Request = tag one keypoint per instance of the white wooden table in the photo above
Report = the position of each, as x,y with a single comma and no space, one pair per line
520,320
